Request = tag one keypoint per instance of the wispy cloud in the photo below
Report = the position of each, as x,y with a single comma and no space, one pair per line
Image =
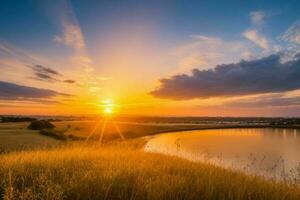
69,81
17,64
72,36
291,37
48,74
45,70
257,39
45,73
257,17
203,52
27,101
44,77
272,100
292,34
8,50
254,34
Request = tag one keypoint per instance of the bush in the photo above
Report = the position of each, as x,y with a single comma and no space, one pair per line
54,134
74,137
40,124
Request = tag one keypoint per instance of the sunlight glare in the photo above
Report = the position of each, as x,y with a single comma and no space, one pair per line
107,105
108,110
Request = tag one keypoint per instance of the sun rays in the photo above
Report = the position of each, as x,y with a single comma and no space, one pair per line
108,109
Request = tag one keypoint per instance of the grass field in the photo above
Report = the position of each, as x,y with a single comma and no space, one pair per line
129,130
15,137
81,129
124,171
117,170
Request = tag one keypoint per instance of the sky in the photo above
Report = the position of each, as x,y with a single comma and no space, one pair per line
162,58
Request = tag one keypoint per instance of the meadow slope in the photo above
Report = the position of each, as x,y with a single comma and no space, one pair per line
124,171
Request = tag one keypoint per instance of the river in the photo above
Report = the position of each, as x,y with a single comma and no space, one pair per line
269,152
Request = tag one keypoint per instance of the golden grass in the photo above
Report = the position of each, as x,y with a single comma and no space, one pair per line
125,172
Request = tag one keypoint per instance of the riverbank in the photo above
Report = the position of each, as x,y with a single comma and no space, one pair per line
124,171
14,136
132,130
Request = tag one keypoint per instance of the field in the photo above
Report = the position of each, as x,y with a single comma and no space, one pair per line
128,129
82,128
116,170
15,136
124,171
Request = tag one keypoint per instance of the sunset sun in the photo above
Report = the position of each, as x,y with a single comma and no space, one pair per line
107,106
108,110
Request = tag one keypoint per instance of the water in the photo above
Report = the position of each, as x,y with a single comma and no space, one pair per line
270,152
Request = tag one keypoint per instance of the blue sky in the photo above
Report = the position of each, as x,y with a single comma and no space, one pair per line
94,43
176,18
27,24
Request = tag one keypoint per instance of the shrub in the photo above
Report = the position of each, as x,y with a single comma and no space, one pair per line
40,124
74,137
54,134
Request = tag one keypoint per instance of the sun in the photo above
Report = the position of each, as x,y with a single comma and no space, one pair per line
108,106
108,110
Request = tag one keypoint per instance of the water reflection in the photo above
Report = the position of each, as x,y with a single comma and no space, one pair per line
269,152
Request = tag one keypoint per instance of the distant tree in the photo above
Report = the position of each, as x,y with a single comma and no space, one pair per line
40,124
16,119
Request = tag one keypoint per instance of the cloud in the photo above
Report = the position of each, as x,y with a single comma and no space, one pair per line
10,91
27,101
257,39
44,77
291,37
257,17
69,81
273,100
72,36
292,34
44,70
16,63
45,73
266,45
9,50
203,51
265,75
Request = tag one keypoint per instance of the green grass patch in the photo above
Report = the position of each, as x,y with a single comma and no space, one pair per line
16,137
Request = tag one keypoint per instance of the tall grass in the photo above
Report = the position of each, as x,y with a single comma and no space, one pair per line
124,172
